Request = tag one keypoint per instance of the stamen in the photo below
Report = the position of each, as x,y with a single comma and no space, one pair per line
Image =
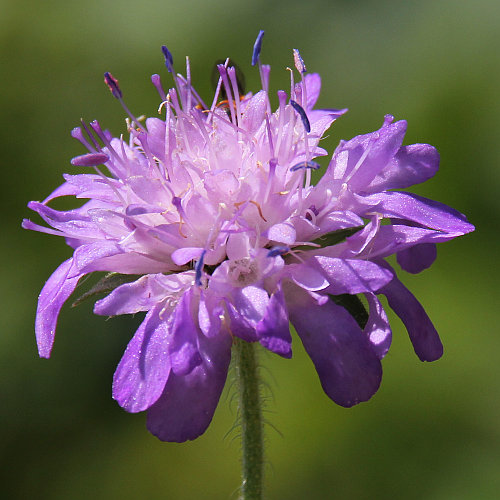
77,133
143,140
96,127
305,164
216,95
234,83
201,104
90,160
156,80
278,250
223,74
273,162
282,98
265,71
112,83
90,134
292,83
188,83
257,47
169,60
177,203
299,62
199,268
239,203
269,134
175,102
302,114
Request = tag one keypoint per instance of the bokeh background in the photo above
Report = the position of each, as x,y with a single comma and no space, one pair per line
433,430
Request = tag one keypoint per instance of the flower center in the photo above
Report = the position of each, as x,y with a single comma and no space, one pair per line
243,272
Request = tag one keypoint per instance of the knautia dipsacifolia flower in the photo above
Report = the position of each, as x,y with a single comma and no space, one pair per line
213,206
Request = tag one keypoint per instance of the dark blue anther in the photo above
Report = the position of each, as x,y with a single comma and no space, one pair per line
302,114
305,164
112,83
256,48
169,60
299,62
278,250
198,268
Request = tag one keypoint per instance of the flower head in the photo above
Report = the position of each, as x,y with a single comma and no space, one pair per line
213,206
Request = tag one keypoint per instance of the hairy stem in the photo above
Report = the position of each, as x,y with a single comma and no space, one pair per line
251,420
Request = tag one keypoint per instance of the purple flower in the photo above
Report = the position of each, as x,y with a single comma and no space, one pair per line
213,206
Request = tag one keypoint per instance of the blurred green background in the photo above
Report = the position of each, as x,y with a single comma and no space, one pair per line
433,430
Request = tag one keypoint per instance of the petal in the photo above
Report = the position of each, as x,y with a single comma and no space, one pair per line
210,313
240,326
281,233
143,370
349,369
428,213
183,346
359,160
131,298
55,292
273,329
186,407
423,335
313,88
411,165
387,241
307,277
183,255
417,258
377,327
254,112
352,276
247,308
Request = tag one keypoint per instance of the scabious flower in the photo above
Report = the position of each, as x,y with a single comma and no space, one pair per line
213,206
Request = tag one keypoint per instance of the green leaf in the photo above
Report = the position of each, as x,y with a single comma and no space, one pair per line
354,306
335,237
330,239
105,285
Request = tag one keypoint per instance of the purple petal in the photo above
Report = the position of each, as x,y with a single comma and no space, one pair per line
273,329
313,88
251,302
352,276
130,298
359,160
239,325
428,213
247,308
184,255
387,241
349,369
183,347
281,233
307,277
417,258
254,112
65,189
210,311
423,335
377,327
141,375
411,165
186,407
55,292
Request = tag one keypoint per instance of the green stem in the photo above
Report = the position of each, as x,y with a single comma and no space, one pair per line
251,420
